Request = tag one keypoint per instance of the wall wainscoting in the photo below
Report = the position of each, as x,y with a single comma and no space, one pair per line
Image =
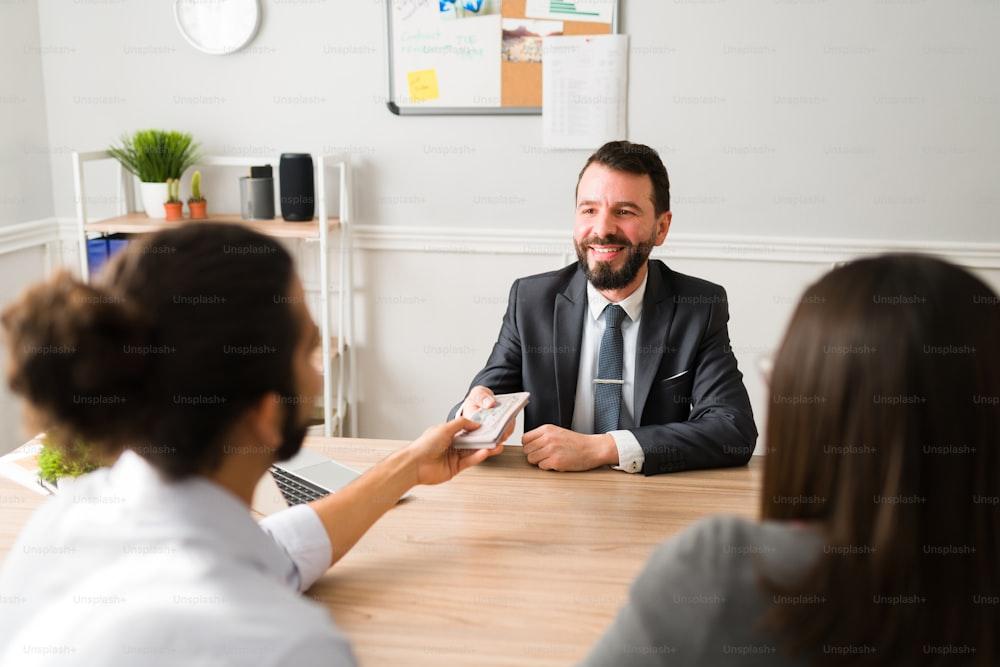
429,300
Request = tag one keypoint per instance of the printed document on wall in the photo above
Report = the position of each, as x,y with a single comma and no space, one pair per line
592,11
584,90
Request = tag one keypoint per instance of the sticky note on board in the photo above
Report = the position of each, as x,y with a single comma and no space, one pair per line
423,85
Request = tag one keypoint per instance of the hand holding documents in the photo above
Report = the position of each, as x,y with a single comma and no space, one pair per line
492,421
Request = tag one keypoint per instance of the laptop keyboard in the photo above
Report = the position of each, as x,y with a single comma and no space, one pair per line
295,489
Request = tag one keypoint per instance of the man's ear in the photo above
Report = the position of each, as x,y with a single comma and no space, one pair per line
663,226
265,418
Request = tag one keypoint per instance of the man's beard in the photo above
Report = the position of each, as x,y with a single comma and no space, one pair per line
602,276
293,432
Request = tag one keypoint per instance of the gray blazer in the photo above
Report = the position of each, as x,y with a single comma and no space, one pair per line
699,600
692,409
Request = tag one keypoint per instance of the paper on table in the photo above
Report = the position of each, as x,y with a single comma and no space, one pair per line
584,90
21,466
591,11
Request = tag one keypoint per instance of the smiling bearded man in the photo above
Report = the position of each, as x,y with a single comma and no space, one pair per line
628,363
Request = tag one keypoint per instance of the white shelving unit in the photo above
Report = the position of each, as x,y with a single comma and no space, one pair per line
338,393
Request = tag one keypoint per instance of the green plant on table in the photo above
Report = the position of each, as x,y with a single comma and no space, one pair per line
155,156
57,461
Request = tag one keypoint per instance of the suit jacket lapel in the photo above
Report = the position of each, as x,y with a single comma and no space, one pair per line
567,334
657,312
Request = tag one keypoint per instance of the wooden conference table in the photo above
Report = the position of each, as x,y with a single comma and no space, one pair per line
504,565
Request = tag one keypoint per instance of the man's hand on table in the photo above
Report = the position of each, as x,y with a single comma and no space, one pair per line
551,447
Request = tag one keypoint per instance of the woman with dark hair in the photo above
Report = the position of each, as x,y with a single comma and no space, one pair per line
880,534
186,365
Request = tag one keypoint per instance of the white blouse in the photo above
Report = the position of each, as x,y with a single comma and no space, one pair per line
124,568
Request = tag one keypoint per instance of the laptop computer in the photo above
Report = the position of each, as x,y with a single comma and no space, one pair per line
309,475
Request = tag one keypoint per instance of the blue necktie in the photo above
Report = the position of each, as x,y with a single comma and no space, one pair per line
608,383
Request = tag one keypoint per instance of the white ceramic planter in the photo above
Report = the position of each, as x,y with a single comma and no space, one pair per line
153,197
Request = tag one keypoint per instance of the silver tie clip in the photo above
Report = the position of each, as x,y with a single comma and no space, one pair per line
600,381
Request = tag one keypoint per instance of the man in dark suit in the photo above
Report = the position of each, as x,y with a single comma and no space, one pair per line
628,363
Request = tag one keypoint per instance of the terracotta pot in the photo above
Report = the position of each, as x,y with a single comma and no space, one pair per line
174,210
199,209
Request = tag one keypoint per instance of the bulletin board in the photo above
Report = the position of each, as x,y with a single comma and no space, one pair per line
445,59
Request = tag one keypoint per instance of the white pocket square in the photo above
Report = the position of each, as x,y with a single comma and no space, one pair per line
674,377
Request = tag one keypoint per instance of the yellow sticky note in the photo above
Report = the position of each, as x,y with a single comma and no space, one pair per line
423,85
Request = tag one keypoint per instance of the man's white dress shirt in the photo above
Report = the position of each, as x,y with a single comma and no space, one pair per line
630,455
124,568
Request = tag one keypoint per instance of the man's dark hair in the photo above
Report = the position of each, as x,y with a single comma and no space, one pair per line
635,159
172,343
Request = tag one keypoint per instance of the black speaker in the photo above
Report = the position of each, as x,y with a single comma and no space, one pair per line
298,195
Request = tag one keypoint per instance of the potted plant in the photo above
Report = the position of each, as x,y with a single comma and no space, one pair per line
196,203
57,465
154,156
174,207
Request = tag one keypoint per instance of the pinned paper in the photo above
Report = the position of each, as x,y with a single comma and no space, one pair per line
584,90
591,11
522,39
423,85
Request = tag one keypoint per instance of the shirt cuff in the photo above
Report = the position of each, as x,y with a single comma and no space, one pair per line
630,454
300,533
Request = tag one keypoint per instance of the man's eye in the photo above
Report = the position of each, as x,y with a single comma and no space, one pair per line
625,211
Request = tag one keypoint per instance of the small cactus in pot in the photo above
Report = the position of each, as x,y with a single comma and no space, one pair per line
196,203
174,207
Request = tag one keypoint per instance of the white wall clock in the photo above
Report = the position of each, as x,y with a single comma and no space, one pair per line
217,27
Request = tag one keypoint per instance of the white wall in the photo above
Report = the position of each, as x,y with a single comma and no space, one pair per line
24,266
800,125
778,117
25,181
25,178
846,118
429,302
426,333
